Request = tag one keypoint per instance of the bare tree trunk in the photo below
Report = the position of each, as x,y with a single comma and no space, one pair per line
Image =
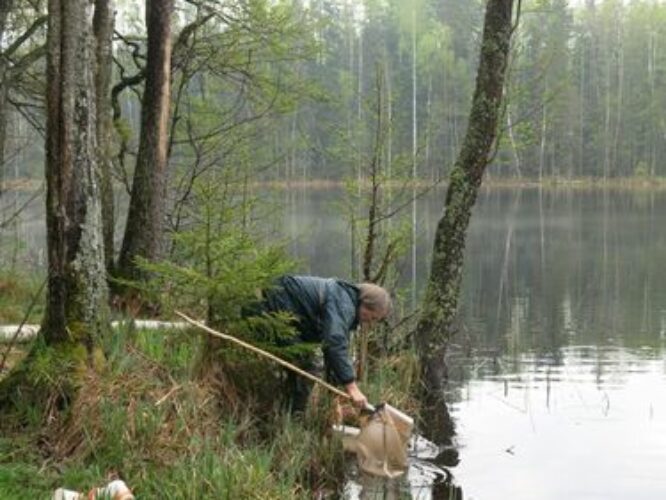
77,292
607,117
5,8
436,322
651,74
359,112
389,136
103,22
514,146
75,318
542,143
581,115
427,163
414,151
145,227
3,124
620,102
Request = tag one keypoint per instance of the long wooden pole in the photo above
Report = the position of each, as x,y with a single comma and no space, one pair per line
265,354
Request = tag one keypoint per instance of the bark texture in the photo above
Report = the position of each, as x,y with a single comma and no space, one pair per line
144,229
77,292
4,90
437,321
103,22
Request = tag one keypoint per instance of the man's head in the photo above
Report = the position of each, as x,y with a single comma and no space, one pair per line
375,303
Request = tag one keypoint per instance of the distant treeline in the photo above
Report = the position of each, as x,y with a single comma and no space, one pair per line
587,92
322,90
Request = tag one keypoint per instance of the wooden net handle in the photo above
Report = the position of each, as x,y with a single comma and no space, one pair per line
265,354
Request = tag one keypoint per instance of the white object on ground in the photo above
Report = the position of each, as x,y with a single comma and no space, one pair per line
152,324
29,332
115,490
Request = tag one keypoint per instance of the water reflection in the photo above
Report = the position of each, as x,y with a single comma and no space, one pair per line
560,367
423,481
589,423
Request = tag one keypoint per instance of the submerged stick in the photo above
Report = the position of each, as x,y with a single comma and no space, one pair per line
265,354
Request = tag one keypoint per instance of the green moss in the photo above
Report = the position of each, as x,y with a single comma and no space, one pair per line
47,380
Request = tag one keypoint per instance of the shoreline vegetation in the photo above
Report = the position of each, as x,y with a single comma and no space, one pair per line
147,419
657,183
148,416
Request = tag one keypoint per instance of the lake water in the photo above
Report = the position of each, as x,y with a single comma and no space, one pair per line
558,378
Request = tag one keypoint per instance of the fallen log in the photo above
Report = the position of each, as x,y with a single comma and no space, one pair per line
29,332
26,334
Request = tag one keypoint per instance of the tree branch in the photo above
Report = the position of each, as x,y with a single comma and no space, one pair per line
20,40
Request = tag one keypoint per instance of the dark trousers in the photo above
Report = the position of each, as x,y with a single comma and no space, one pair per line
299,387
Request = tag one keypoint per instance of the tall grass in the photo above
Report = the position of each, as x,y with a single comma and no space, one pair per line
152,419
169,434
16,292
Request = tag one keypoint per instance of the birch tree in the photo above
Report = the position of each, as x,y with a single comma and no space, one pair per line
5,7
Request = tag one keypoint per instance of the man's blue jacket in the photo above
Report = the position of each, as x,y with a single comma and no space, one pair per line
326,311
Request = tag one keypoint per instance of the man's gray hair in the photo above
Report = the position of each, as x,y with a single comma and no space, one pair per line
375,298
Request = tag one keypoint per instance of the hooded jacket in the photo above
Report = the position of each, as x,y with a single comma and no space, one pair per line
326,311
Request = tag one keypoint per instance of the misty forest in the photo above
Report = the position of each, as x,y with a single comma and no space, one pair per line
357,249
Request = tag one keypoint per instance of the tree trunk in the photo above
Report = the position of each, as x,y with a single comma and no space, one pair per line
414,151
75,318
103,22
77,290
3,123
436,322
144,229
5,8
514,146
616,158
651,75
542,142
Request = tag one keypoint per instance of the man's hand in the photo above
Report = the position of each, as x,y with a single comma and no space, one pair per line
357,397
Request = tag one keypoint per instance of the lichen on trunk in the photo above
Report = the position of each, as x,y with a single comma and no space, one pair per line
76,310
437,321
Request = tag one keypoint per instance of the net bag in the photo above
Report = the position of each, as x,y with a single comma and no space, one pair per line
381,446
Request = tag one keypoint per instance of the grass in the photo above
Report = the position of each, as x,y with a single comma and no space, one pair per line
16,293
169,434
150,418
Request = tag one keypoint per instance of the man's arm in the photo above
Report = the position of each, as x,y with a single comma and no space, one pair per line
357,397
337,320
